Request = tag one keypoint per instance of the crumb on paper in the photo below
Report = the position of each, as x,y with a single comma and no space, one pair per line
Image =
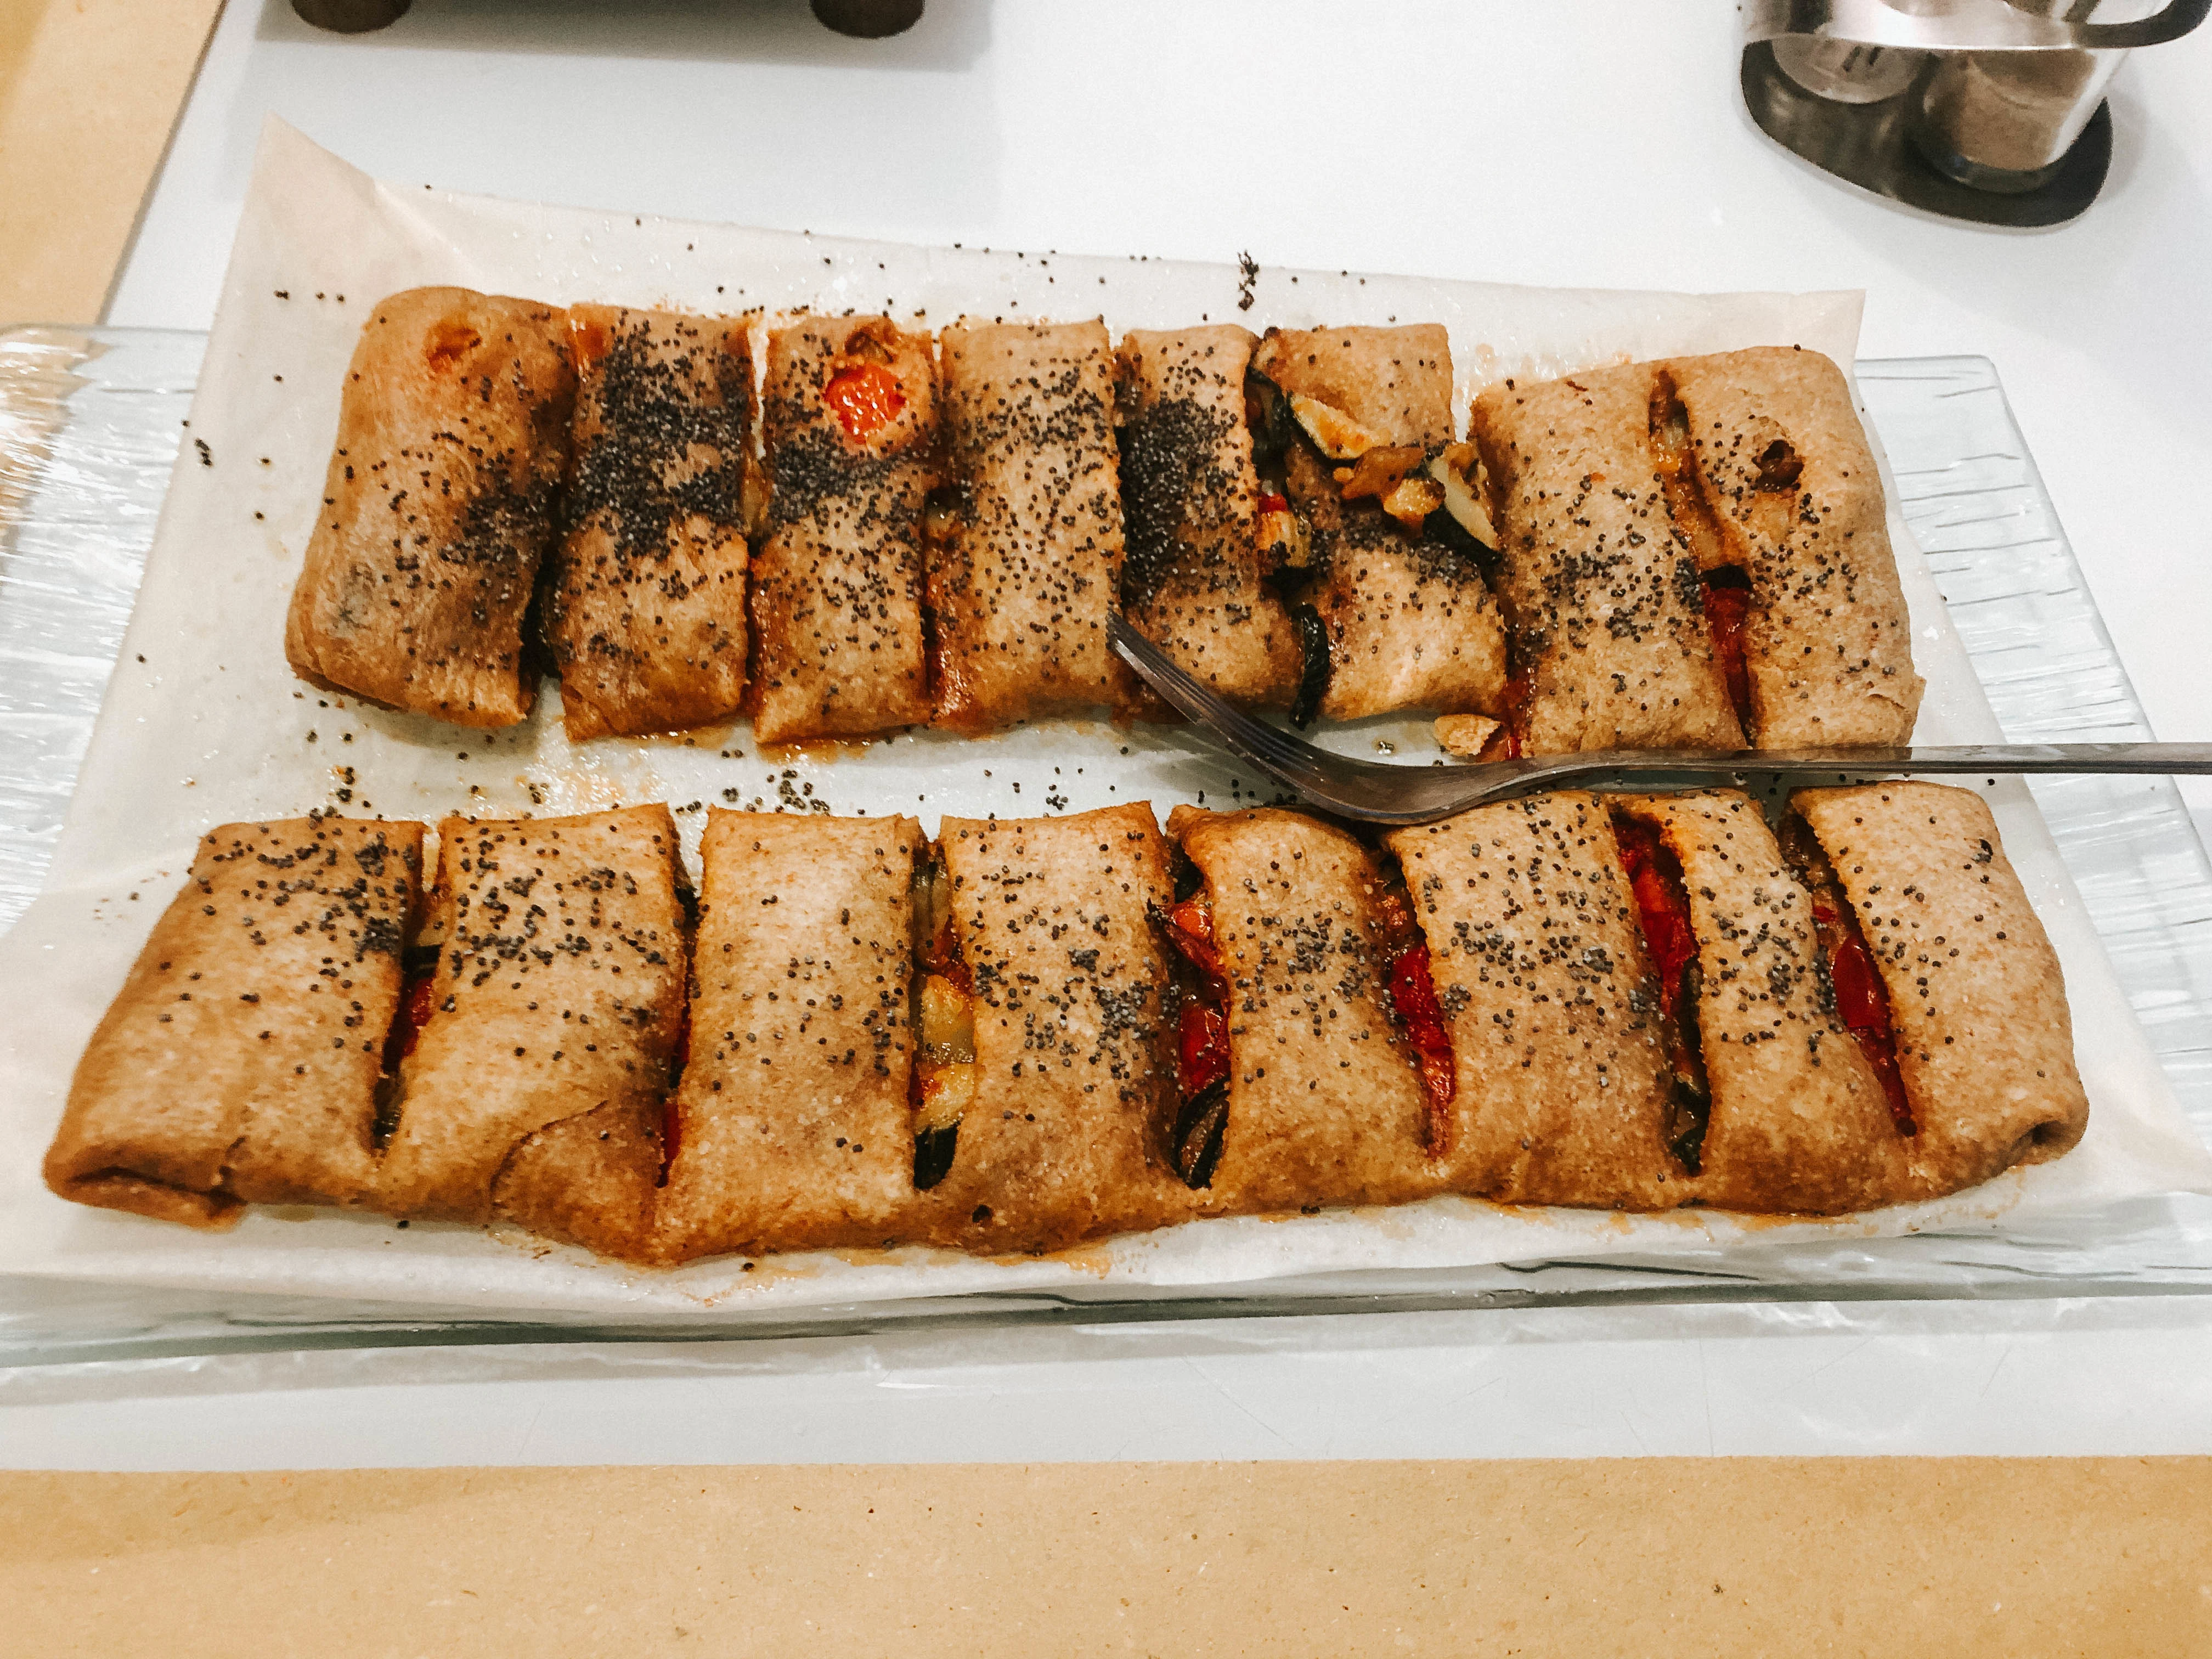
1464,735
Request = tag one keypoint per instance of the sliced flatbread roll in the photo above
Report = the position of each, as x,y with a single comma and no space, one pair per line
849,418
1610,642
1785,475
240,1062
792,1129
1325,1106
1984,1041
1797,1120
1023,576
1065,1140
534,1093
1561,1092
438,507
645,600
1193,582
1411,622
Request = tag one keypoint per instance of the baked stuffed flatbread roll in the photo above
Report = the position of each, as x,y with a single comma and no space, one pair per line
438,506
534,1092
1320,1104
850,422
1026,573
792,1129
1782,488
1060,1134
1563,1090
1610,645
1360,417
1796,1118
645,600
239,1064
1969,997
1194,583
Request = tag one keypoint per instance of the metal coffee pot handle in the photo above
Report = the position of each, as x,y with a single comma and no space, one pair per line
1962,25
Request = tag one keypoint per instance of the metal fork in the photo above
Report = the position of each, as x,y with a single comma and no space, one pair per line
1381,793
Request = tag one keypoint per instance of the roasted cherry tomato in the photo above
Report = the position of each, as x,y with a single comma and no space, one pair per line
864,397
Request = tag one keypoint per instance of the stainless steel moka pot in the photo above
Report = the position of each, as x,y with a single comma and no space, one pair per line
1988,110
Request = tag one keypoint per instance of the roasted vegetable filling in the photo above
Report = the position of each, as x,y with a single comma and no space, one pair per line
1412,993
942,1085
418,1000
1862,1002
1662,910
1727,608
1201,1037
1726,586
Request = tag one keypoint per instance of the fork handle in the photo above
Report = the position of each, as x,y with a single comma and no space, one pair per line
1812,765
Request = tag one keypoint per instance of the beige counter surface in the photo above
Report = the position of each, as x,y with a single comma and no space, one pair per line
89,92
1651,1557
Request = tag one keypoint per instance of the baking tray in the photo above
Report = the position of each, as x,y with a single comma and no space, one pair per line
90,424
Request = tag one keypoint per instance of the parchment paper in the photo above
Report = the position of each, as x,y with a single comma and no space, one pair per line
204,724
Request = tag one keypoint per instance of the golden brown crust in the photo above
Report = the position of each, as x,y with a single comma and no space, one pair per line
1022,584
645,600
1325,1107
1794,492
793,1131
561,991
1411,625
239,1063
1608,620
1559,1080
837,584
1073,1065
1192,583
1798,1119
438,506
1984,1041
1396,382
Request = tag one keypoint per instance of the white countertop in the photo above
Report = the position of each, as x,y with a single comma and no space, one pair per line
1582,142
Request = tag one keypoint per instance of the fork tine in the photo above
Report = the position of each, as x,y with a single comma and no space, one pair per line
1314,773
1257,742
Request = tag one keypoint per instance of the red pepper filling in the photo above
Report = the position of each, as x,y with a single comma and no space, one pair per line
1662,909
1728,606
671,1123
1861,1000
1863,1006
1655,877
1270,502
1190,930
1202,1047
1202,1040
416,1003
418,1000
864,397
1414,994
1412,991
